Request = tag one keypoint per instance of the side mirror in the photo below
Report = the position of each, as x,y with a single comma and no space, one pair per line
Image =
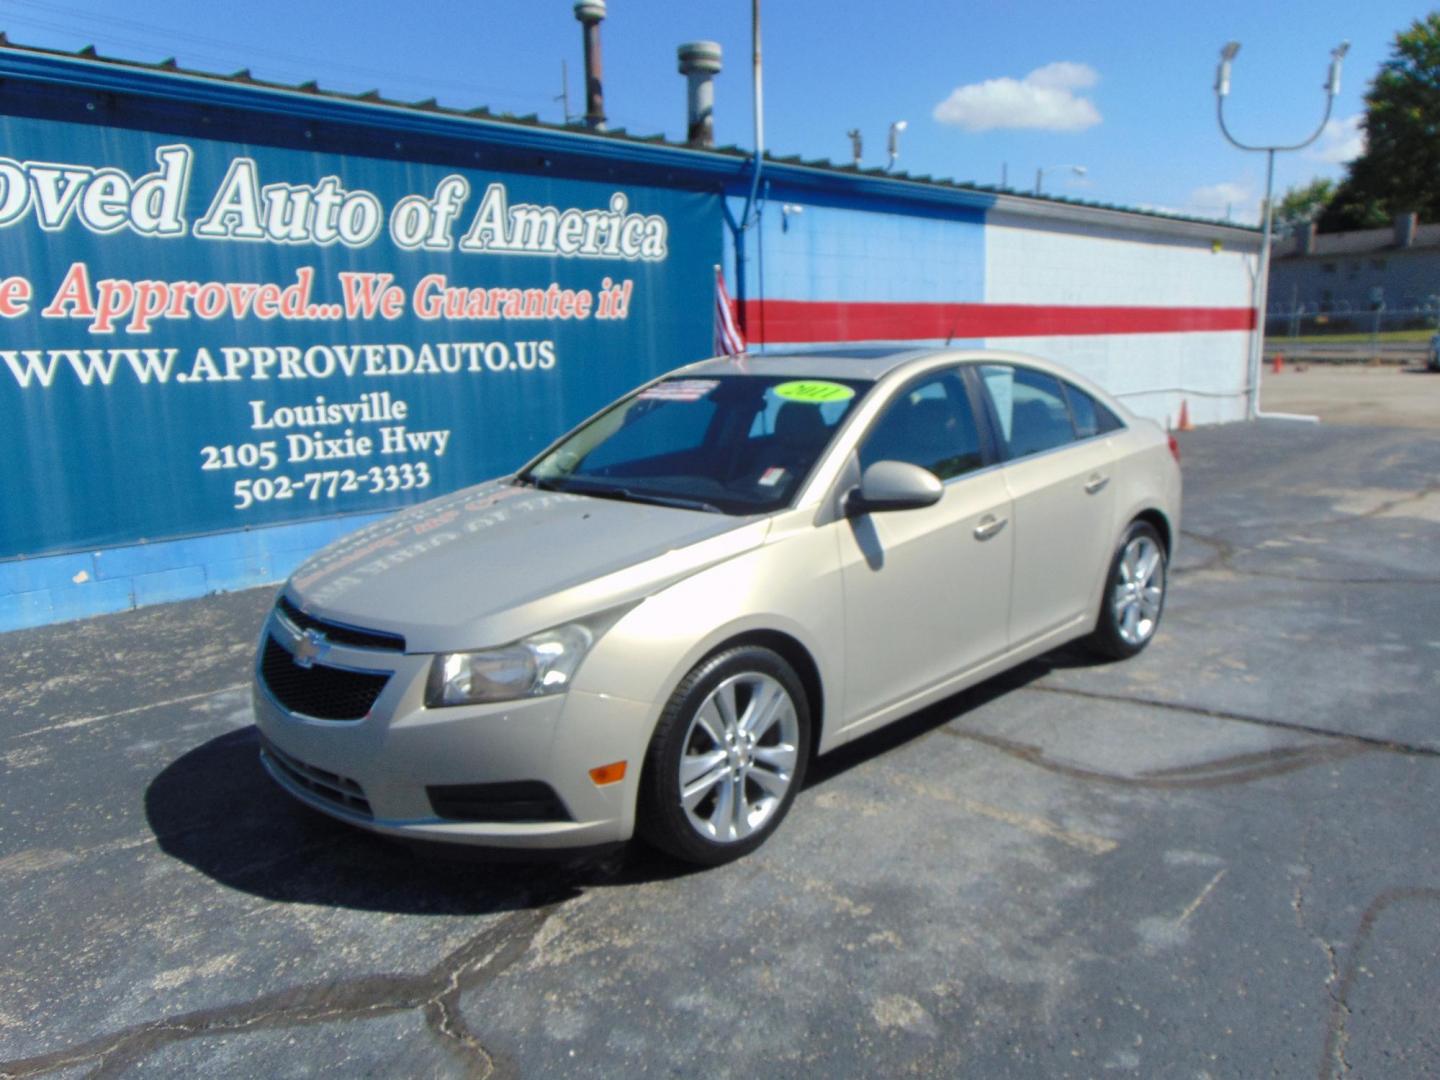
893,485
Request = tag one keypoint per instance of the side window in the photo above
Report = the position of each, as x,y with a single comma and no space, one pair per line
1031,408
1091,417
929,424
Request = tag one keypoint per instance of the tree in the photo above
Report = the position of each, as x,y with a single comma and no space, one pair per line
1400,169
1303,204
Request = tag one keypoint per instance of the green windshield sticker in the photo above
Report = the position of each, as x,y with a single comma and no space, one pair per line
814,391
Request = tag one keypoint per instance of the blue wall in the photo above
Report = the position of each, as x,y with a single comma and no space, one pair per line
814,246
825,252
54,588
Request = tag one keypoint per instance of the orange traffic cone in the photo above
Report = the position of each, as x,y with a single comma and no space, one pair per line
1278,363
1184,423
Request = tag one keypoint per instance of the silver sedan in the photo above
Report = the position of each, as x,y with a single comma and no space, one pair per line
656,624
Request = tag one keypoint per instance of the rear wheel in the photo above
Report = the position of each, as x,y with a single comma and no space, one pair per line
1134,595
727,757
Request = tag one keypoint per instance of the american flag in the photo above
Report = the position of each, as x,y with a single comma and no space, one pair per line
728,339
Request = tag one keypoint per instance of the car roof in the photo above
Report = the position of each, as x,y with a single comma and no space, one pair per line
871,363
868,364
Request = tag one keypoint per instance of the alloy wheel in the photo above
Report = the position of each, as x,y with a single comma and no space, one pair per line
1139,593
739,757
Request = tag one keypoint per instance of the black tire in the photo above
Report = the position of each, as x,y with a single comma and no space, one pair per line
661,817
1110,639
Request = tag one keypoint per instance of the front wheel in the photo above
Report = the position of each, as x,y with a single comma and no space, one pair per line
727,757
1134,594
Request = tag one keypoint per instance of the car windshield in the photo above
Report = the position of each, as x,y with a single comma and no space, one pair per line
730,444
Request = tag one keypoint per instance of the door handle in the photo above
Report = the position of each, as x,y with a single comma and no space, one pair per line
988,527
1096,483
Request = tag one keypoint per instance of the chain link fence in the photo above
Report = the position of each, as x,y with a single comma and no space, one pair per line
1349,334
1358,324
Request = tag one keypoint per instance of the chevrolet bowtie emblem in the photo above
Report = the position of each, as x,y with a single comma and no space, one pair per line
309,647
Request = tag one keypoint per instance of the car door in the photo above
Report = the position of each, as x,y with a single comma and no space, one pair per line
1063,501
926,590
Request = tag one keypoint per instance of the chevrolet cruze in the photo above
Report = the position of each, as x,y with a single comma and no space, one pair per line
653,626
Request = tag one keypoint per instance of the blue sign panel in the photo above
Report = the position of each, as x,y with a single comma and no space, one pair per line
199,336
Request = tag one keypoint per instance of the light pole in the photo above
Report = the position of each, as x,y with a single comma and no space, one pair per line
1262,279
894,144
1078,170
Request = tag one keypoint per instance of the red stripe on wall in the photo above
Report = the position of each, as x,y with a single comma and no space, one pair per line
820,320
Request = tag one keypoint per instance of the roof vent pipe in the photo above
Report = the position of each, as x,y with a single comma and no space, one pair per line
590,13
700,63
1405,229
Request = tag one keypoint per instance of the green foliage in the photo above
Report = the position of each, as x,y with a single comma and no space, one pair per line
1302,204
1400,169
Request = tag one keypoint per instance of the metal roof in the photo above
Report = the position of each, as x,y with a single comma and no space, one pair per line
117,73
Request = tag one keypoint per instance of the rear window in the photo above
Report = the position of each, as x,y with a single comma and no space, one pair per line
1031,408
1091,417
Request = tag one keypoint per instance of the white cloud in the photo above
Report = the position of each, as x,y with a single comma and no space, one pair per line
1342,141
1045,100
1225,200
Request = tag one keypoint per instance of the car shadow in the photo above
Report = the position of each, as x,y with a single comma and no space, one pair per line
215,809
921,723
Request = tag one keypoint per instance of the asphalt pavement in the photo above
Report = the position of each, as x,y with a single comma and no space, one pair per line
1216,860
1380,395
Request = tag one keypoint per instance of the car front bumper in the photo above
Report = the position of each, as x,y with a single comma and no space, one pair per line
379,771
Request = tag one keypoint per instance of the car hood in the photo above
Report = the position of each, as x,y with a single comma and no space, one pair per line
493,563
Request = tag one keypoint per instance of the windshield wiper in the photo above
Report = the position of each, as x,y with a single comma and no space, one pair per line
631,495
676,501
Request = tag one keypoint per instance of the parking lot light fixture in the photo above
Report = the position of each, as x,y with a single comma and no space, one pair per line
1222,76
1262,277
894,145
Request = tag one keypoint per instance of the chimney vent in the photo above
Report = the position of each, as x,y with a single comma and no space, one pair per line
590,13
700,63
1405,229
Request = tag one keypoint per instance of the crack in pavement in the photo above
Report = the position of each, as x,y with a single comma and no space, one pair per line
1375,511
442,1016
1336,1034
1392,746
436,992
1297,902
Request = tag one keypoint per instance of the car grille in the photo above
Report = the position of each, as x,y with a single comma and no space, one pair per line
338,633
325,693
332,787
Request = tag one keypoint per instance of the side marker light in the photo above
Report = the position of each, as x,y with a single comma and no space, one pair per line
608,774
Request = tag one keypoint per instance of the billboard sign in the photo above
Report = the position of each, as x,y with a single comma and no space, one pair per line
201,336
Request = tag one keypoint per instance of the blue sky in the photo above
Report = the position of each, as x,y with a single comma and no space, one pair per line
1122,89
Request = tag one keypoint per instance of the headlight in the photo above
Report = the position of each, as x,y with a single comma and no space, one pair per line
541,664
